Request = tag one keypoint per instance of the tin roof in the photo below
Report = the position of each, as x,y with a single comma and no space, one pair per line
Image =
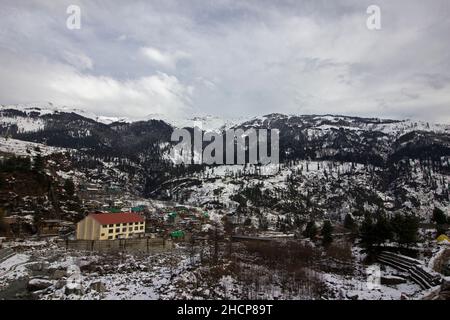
115,218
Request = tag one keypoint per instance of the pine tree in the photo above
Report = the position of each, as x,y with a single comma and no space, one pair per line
367,232
349,222
69,187
406,228
38,163
383,229
439,216
310,230
326,233
3,225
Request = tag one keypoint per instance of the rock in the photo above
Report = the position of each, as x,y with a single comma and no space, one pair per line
73,270
60,284
444,295
59,274
143,268
51,270
445,285
73,287
99,269
98,286
36,266
38,284
352,296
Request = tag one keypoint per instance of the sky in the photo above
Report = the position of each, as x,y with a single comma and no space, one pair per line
229,58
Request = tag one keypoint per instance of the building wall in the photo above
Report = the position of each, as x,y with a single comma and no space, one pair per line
90,229
122,231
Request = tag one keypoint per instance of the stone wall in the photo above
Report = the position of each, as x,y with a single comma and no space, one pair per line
131,245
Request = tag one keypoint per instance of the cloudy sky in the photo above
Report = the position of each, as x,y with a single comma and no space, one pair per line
229,58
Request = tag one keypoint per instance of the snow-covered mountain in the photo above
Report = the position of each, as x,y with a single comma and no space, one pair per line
330,164
31,112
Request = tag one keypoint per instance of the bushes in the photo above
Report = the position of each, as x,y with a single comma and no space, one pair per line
340,252
289,256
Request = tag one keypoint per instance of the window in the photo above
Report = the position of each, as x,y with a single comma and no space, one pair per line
117,229
110,225
136,228
130,229
142,227
110,237
102,235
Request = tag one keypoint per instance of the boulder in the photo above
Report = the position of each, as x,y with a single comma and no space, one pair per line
60,284
352,296
37,284
36,266
444,295
445,285
59,274
73,287
98,286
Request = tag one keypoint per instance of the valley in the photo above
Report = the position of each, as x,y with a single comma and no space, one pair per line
346,189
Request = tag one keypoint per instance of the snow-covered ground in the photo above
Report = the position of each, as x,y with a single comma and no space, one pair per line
13,268
26,148
176,274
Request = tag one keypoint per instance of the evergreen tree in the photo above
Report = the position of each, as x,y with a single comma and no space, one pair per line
38,163
310,230
3,225
367,232
349,222
439,216
440,229
69,187
326,233
383,229
406,228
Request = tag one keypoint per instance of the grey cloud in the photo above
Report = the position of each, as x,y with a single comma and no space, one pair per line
229,57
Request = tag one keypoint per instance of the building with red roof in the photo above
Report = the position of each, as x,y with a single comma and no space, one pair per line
111,226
